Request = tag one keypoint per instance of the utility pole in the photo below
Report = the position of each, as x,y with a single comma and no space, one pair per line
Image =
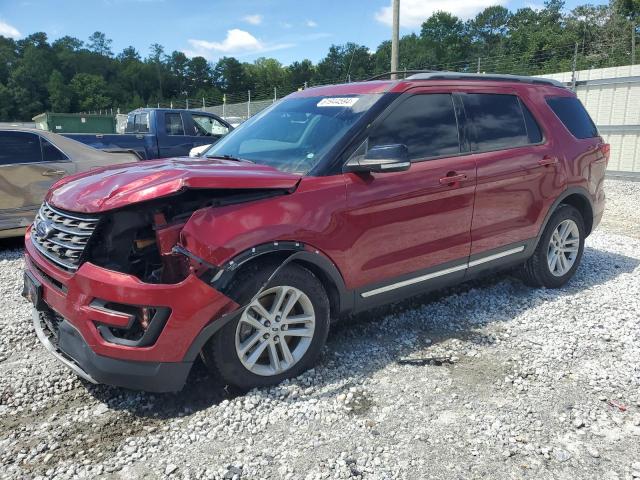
395,38
478,64
574,67
633,42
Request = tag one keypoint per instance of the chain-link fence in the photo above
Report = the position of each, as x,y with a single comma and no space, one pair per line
238,106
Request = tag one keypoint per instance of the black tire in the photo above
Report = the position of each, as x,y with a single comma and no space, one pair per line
220,355
536,272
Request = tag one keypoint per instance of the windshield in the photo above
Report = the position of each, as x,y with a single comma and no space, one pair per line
295,134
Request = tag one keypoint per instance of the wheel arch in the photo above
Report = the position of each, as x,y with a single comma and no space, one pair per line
280,254
277,254
577,197
581,203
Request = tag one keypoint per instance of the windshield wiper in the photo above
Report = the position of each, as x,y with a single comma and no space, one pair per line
230,157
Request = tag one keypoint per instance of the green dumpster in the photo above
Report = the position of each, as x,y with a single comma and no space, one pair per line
75,123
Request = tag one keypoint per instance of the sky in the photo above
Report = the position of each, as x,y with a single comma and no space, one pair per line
287,30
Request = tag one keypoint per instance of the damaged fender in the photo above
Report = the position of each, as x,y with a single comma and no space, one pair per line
294,251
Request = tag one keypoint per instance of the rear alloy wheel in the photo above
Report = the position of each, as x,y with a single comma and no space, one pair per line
559,250
280,332
563,248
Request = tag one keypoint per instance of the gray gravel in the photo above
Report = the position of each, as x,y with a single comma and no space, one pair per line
486,380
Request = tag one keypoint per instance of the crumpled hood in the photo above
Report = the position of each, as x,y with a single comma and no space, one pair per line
121,185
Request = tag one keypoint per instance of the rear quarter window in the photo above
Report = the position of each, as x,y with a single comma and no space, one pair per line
574,116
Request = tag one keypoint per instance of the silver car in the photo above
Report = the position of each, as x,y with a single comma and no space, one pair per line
30,162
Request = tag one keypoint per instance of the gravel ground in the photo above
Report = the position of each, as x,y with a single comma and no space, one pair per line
486,380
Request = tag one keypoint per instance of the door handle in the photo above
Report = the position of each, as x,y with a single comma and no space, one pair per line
547,160
53,173
453,178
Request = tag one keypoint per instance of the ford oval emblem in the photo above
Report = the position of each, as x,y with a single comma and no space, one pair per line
44,228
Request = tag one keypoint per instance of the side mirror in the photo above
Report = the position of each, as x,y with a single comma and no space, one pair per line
380,159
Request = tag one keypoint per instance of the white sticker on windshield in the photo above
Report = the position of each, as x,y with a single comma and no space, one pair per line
338,102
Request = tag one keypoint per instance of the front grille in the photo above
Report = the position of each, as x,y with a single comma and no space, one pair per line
61,236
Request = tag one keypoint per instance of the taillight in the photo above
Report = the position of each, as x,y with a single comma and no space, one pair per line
605,148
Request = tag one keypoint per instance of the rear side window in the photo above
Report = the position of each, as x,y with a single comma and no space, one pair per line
19,147
173,124
426,124
497,119
142,123
571,112
51,153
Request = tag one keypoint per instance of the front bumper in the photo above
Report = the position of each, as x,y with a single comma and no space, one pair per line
71,350
194,305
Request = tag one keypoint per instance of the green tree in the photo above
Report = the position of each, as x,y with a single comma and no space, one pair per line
445,38
199,74
300,73
156,59
178,64
100,44
128,55
8,57
489,29
344,62
59,93
229,76
89,91
6,103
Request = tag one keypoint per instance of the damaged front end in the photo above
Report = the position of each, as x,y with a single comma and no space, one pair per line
141,240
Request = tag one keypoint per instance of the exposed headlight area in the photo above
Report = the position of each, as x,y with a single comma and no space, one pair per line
140,240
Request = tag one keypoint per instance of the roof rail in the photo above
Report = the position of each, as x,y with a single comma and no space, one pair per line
434,75
399,72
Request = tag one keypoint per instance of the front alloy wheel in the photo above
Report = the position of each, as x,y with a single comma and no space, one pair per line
280,332
275,330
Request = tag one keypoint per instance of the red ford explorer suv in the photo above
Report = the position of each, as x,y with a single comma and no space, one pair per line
334,200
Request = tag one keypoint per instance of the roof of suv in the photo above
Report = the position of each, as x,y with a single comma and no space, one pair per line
398,86
485,77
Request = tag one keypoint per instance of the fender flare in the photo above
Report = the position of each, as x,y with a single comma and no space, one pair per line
290,252
583,192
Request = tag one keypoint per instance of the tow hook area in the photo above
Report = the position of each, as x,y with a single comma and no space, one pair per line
48,337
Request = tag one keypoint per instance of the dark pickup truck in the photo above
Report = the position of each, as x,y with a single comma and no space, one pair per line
160,133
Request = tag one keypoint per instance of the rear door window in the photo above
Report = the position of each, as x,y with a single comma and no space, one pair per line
19,147
142,123
173,124
425,123
497,120
574,116
50,153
